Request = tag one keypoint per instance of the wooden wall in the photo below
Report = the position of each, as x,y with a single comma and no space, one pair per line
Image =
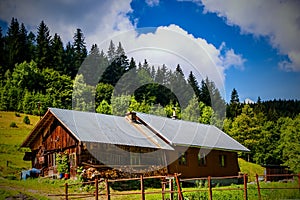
53,139
212,167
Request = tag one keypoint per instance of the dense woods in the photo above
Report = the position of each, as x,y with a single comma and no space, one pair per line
39,71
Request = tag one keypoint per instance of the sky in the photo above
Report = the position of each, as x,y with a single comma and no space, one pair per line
252,46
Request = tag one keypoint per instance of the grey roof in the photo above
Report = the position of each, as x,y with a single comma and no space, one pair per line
94,127
153,131
179,132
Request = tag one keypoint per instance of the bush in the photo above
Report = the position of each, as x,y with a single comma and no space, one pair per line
26,120
17,114
13,125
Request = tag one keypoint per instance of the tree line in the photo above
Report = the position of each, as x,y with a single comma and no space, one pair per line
38,72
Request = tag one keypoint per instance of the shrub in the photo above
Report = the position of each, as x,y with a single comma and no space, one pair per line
26,120
13,125
17,114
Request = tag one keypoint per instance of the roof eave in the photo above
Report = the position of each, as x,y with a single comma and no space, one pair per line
213,148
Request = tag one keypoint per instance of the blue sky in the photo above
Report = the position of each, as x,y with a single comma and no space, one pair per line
236,43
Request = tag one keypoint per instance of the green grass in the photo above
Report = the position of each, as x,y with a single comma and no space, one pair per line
11,156
251,169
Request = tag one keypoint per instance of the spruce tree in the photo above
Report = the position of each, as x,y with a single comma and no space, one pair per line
194,84
13,44
80,51
68,59
57,53
204,95
43,57
234,96
3,67
111,53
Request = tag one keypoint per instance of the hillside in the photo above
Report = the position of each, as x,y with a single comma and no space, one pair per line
11,157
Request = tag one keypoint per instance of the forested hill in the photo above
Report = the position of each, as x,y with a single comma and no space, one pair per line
39,71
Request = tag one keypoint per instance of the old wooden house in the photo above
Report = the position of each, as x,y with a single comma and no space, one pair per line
137,143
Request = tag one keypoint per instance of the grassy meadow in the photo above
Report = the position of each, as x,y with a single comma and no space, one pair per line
11,164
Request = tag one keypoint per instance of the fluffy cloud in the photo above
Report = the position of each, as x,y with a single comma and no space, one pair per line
171,45
152,3
279,20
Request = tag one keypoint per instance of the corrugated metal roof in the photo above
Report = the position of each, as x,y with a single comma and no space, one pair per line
186,133
94,127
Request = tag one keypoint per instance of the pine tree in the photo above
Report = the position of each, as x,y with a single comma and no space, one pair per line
204,95
234,96
3,67
24,45
194,84
80,51
57,53
234,107
13,45
120,51
43,40
111,53
69,59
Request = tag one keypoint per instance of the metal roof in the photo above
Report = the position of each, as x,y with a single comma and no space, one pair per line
179,132
100,128
153,131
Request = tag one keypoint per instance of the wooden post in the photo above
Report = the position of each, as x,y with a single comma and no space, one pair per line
171,187
209,188
299,181
66,191
163,188
142,188
107,189
180,196
245,187
96,189
258,187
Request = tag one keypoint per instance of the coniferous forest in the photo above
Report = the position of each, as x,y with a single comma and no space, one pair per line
39,71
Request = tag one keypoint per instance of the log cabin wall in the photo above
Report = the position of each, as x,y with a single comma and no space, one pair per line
195,162
55,138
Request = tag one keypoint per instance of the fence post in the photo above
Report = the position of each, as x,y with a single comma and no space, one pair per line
171,187
299,180
180,196
258,187
96,189
142,187
107,189
66,191
245,186
163,188
209,188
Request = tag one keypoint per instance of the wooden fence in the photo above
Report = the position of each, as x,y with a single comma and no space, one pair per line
170,180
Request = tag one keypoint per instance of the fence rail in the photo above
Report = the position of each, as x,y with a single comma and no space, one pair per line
168,180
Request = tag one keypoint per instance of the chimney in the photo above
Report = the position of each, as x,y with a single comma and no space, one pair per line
132,116
174,116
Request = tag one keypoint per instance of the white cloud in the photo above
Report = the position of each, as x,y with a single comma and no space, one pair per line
152,3
171,45
279,20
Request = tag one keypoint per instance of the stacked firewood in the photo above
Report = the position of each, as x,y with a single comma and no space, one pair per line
122,172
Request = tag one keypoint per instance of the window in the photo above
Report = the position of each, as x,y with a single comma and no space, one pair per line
135,159
222,160
182,158
201,159
72,159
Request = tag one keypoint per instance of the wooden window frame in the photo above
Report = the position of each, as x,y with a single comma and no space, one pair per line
222,160
182,159
202,159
